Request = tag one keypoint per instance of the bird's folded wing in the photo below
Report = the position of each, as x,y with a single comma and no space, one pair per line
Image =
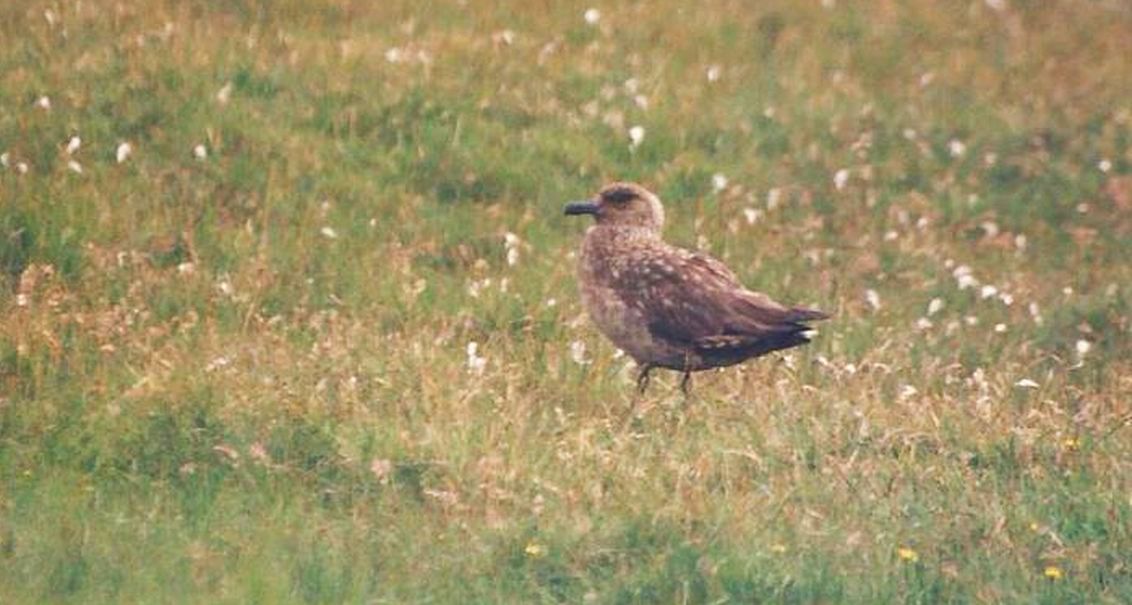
694,299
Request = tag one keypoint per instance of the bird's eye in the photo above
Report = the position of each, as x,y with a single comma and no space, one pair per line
620,196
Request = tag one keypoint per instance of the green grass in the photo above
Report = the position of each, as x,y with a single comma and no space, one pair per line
244,378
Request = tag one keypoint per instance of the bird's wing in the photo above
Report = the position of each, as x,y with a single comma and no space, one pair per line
695,299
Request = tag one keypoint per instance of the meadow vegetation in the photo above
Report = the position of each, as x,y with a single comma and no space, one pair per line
293,318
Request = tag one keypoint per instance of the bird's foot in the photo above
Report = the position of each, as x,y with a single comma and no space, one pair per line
643,378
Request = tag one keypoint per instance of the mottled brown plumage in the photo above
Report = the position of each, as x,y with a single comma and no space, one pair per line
669,307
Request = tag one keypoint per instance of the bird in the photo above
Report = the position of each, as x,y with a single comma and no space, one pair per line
668,307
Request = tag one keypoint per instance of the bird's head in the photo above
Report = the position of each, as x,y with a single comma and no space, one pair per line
622,205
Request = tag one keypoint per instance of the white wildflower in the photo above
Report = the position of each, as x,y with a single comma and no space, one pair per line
476,286
873,299
1083,347
718,182
906,391
996,5
328,233
752,215
1000,328
224,94
186,268
956,148
964,278
551,302
988,291
1026,383
218,363
73,145
1035,312
773,198
1104,165
475,363
506,36
22,167
5,158
75,167
43,103
123,152
511,244
1007,299
713,73
636,135
200,152
22,300
641,101
990,228
592,16
394,55
935,306
979,377
924,323
840,179
578,352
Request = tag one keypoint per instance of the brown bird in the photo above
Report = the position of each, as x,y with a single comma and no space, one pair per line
669,307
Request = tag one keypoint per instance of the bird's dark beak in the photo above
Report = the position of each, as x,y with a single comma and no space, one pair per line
586,207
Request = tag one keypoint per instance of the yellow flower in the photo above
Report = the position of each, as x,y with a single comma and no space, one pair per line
777,548
907,554
535,550
1052,572
1071,444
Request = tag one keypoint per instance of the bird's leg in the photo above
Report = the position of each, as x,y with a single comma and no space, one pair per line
686,382
643,378
642,384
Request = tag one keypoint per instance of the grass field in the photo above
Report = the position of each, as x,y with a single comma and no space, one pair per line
236,359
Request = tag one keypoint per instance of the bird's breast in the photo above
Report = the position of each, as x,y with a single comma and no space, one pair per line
613,305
